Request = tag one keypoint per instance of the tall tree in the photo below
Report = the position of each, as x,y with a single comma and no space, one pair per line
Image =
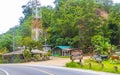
114,24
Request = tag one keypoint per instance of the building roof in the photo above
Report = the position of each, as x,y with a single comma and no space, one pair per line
38,52
14,52
64,47
18,52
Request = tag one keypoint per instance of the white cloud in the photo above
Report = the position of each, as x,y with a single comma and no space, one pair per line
116,1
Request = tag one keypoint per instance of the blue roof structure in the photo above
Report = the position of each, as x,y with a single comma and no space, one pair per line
64,47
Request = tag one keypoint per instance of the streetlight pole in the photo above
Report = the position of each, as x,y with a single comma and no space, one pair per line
13,40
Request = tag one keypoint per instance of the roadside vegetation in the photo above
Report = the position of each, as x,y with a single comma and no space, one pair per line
63,56
90,64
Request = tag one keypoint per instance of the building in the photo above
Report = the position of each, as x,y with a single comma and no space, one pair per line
61,50
46,48
19,54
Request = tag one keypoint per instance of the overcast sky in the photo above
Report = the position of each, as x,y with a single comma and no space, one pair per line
11,11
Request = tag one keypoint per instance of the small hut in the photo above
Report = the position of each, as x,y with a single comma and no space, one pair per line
46,48
61,50
12,55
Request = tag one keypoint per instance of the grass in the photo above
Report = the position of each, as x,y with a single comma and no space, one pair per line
109,66
63,56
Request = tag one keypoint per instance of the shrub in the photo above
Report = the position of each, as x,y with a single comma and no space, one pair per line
73,64
17,59
101,44
105,66
27,55
1,61
37,57
48,53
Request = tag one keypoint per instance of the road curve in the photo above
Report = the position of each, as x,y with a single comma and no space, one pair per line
45,70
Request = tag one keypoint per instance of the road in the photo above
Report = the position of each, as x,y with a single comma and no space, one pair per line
44,70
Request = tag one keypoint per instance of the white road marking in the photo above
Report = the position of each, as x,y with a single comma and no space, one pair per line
29,67
4,71
75,69
41,71
64,68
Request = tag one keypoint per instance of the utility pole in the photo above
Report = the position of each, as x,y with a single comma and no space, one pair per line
36,22
45,39
13,41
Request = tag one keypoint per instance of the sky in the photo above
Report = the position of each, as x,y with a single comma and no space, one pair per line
11,11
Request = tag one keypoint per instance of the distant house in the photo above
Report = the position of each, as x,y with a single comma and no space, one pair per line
21,52
11,55
46,48
17,52
61,50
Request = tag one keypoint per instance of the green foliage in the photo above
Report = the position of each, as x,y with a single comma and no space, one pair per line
6,42
1,60
17,59
28,42
108,67
27,11
27,55
47,14
48,53
39,44
100,43
37,57
63,56
114,24
71,22
73,65
20,32
72,19
3,50
18,41
105,4
24,29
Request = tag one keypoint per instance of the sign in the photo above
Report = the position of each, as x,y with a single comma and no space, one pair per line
76,54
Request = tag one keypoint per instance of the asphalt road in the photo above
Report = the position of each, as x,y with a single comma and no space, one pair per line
44,70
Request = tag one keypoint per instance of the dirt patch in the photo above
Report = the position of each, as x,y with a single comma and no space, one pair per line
54,61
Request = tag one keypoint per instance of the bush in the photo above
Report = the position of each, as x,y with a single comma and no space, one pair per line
1,60
72,64
27,55
48,53
37,57
105,66
17,59
101,44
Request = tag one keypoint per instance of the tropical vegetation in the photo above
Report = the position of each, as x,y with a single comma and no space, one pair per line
78,23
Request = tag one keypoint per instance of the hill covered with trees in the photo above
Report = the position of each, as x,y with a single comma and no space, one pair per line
78,23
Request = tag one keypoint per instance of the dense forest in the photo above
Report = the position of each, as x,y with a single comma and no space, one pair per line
78,23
